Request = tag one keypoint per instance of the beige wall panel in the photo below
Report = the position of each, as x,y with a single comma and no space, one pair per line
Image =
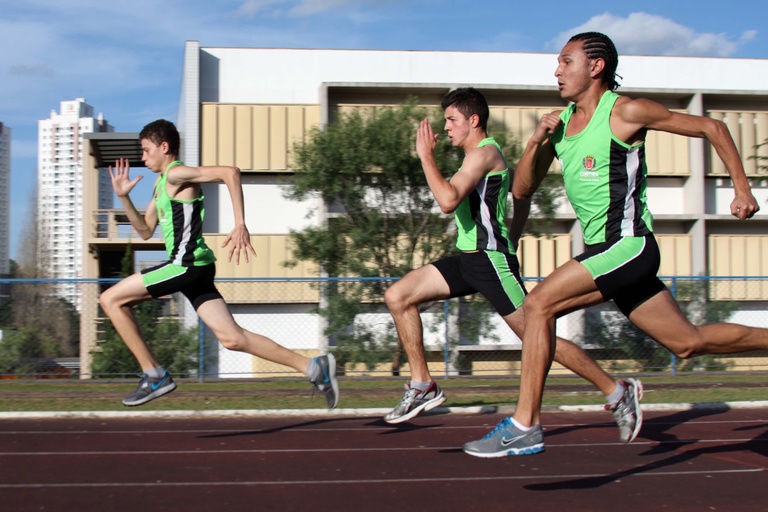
747,129
278,133
225,135
243,136
748,142
738,255
540,256
254,137
260,141
667,154
528,254
208,146
682,154
297,129
675,255
271,251
761,135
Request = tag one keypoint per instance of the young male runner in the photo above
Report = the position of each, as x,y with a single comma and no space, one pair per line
604,133
487,263
177,205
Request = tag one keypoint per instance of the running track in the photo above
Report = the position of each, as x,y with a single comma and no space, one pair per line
688,460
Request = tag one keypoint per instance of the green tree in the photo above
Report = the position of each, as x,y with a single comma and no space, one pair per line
38,324
173,346
383,219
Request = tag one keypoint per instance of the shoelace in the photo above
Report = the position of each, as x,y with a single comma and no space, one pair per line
410,396
622,412
502,424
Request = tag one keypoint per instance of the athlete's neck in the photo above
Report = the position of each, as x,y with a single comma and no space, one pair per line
587,104
168,162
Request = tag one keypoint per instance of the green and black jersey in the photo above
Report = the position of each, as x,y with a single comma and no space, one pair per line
480,216
181,223
605,178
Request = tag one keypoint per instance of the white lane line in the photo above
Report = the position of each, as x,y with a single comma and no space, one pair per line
416,428
580,476
365,450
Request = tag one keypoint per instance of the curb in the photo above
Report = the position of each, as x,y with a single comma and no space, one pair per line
251,413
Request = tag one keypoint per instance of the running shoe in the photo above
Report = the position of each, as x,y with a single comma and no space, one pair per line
149,389
415,401
326,382
507,439
627,411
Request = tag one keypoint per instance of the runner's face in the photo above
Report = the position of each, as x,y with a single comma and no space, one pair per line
573,71
456,125
152,155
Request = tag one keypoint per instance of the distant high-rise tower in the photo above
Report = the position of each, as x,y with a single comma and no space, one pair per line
60,195
5,198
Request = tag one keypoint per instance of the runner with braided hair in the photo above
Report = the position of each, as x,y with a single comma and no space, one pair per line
600,143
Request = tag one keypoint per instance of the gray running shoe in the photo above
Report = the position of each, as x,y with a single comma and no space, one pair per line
627,411
326,383
415,401
149,389
507,439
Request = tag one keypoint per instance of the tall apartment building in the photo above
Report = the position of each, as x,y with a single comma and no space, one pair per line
5,198
60,194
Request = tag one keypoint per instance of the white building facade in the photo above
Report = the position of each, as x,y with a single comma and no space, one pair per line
247,106
60,194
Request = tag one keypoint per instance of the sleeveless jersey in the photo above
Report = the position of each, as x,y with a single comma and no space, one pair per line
181,223
604,177
480,216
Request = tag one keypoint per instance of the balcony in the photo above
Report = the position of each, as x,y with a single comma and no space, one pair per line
111,228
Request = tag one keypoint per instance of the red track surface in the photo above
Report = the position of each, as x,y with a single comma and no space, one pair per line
691,460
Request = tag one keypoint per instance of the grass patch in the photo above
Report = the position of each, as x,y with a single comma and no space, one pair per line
96,395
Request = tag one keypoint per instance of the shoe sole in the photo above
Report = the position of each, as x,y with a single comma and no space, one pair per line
638,396
528,450
155,394
332,379
426,406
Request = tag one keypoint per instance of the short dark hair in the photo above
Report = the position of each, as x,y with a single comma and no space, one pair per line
600,46
468,101
162,131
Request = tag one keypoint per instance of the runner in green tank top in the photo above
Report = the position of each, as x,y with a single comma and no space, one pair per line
477,194
177,206
600,141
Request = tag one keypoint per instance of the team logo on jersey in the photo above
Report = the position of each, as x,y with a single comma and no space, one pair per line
588,162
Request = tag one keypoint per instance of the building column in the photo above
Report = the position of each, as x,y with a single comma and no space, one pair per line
694,193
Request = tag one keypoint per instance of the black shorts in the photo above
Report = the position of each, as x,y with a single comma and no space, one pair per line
493,274
196,283
624,270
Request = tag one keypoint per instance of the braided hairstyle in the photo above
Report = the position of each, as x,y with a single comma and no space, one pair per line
600,46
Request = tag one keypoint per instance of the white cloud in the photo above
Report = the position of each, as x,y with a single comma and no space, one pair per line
648,34
301,8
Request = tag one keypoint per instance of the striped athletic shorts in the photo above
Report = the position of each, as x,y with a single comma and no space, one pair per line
196,283
625,269
494,274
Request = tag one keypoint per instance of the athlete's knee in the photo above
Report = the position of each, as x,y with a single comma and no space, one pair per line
685,348
234,341
537,305
396,298
107,301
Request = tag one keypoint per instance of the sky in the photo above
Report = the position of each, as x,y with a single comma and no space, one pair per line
125,56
